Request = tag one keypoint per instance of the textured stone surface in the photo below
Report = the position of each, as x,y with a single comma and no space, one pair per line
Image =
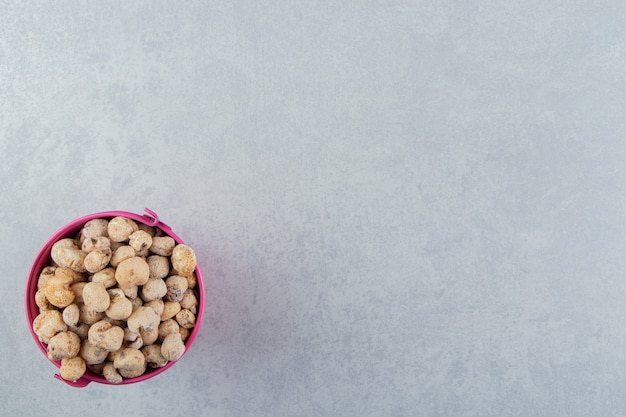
401,208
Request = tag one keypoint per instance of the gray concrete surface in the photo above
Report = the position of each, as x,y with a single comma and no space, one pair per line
401,208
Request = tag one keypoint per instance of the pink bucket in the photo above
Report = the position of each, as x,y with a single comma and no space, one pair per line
43,259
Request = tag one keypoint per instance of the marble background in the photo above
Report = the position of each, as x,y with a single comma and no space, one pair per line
401,208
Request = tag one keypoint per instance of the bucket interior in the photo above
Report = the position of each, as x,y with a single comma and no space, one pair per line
43,259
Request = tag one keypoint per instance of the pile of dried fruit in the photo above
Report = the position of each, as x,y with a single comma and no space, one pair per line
118,299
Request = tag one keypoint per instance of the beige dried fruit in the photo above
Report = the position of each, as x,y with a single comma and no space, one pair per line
192,280
159,266
88,316
154,289
63,345
149,336
132,272
143,318
106,276
130,363
153,355
184,333
92,354
140,241
189,301
183,260
67,275
162,245
66,253
81,330
170,309
110,373
136,302
59,296
148,229
120,228
42,302
95,228
120,307
96,243
168,326
186,318
72,368
97,260
176,287
77,289
47,324
156,305
172,347
57,288
132,339
121,254
71,315
104,335
96,297
131,293
46,274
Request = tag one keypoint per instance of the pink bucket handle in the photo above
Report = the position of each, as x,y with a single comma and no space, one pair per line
152,217
79,383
